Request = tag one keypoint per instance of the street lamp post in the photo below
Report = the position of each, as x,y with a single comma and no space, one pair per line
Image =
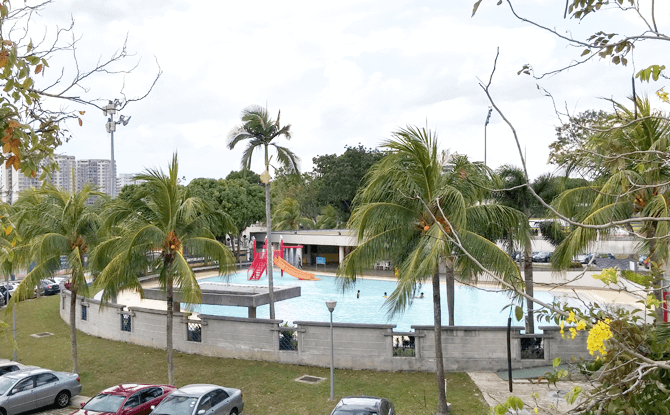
331,307
110,126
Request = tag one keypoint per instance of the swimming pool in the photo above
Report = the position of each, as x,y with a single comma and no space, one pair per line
473,307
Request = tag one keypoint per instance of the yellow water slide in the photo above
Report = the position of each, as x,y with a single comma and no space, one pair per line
293,271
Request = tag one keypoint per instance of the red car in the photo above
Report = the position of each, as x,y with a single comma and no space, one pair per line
127,399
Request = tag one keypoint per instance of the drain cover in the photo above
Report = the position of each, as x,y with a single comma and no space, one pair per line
312,380
39,335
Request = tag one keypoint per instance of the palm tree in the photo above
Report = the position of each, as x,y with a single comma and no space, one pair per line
8,239
56,223
515,194
288,216
259,130
162,218
400,213
631,175
328,219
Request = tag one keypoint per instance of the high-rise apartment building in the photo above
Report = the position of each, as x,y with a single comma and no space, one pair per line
96,171
124,179
14,182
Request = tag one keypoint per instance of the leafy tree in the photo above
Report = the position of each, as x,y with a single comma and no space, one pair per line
631,175
400,214
244,174
241,200
32,129
260,131
571,137
341,176
301,187
53,223
287,216
612,46
166,219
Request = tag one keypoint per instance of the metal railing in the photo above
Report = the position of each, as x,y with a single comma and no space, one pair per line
194,332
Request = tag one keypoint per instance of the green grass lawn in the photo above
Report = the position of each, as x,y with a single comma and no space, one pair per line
269,388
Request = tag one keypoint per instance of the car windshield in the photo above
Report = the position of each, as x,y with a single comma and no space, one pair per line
176,405
105,403
353,412
5,384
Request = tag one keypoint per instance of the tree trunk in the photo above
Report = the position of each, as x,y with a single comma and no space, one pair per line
268,235
658,275
73,328
450,290
169,291
14,331
14,356
439,360
528,276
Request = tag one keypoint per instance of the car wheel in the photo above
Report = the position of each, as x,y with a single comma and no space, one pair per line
233,412
62,399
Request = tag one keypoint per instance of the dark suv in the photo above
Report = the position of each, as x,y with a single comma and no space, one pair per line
363,405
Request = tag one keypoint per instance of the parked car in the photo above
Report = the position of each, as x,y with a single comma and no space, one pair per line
586,258
4,294
350,405
201,399
48,287
29,389
542,257
7,366
126,399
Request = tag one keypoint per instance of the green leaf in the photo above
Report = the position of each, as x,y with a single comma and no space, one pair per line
586,52
518,311
476,6
556,362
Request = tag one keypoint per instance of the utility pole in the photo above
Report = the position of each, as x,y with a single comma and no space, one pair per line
110,126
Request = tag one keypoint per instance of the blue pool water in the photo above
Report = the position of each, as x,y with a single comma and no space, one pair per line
473,307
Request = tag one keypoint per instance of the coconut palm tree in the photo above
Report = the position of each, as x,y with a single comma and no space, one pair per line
163,219
260,131
288,216
402,213
328,219
9,238
56,223
516,195
631,176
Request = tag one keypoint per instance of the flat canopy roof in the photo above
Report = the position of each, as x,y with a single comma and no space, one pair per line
241,295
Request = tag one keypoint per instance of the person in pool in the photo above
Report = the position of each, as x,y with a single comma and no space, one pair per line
358,294
385,294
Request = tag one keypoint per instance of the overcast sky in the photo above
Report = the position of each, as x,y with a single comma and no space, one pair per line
342,73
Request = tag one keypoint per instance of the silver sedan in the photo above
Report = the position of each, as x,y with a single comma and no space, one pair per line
201,400
30,389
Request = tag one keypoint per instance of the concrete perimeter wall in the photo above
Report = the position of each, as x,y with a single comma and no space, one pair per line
356,346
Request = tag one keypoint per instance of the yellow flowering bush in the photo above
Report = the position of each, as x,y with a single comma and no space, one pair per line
597,335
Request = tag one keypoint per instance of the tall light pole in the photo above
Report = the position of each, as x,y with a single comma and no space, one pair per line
110,126
331,307
488,117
